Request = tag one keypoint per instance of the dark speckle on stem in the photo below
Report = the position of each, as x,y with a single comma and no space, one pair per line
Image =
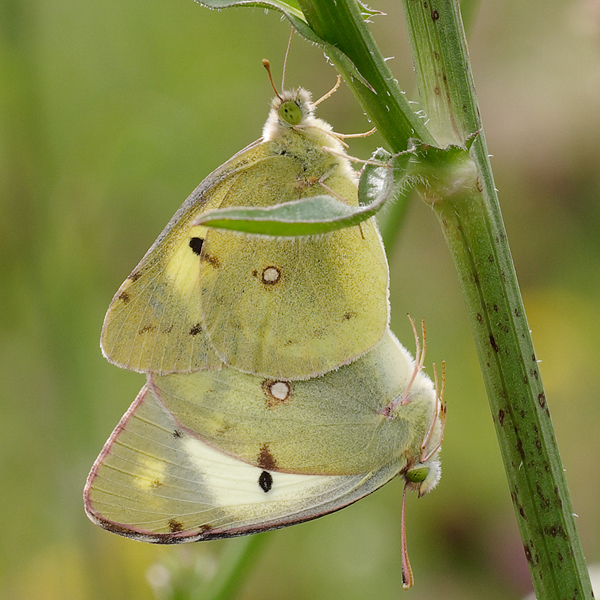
493,343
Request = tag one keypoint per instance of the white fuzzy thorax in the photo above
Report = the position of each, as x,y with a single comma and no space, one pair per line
275,128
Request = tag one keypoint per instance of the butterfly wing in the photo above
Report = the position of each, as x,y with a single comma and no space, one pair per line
156,482
328,305
154,320
330,425
294,308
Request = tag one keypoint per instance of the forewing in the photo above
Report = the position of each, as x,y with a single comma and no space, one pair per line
154,321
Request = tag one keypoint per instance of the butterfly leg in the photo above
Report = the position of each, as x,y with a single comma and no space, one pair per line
440,411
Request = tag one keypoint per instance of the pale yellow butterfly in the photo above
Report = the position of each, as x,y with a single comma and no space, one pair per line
220,454
285,308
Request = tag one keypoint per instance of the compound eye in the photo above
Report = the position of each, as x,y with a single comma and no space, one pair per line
290,113
417,474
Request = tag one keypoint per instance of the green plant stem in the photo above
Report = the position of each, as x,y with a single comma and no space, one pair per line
234,566
343,27
469,213
472,225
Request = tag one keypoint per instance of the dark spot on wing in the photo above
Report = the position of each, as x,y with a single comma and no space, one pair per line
265,481
347,316
156,484
177,433
147,329
196,245
167,330
124,296
223,429
134,276
196,329
265,459
175,526
211,260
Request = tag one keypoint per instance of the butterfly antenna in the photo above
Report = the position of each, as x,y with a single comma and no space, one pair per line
407,574
287,53
330,92
267,66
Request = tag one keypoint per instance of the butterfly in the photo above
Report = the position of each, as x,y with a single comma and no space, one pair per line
216,454
289,308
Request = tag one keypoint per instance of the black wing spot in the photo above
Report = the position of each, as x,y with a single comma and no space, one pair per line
196,245
177,434
265,481
196,329
124,297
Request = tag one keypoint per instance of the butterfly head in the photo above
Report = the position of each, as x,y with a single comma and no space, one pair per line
293,107
292,111
422,473
423,477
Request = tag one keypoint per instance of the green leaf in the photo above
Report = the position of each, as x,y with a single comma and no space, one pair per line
319,214
289,8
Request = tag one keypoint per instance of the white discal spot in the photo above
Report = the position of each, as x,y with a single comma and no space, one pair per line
271,275
280,390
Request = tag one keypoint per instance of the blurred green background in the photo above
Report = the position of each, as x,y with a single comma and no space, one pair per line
110,114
